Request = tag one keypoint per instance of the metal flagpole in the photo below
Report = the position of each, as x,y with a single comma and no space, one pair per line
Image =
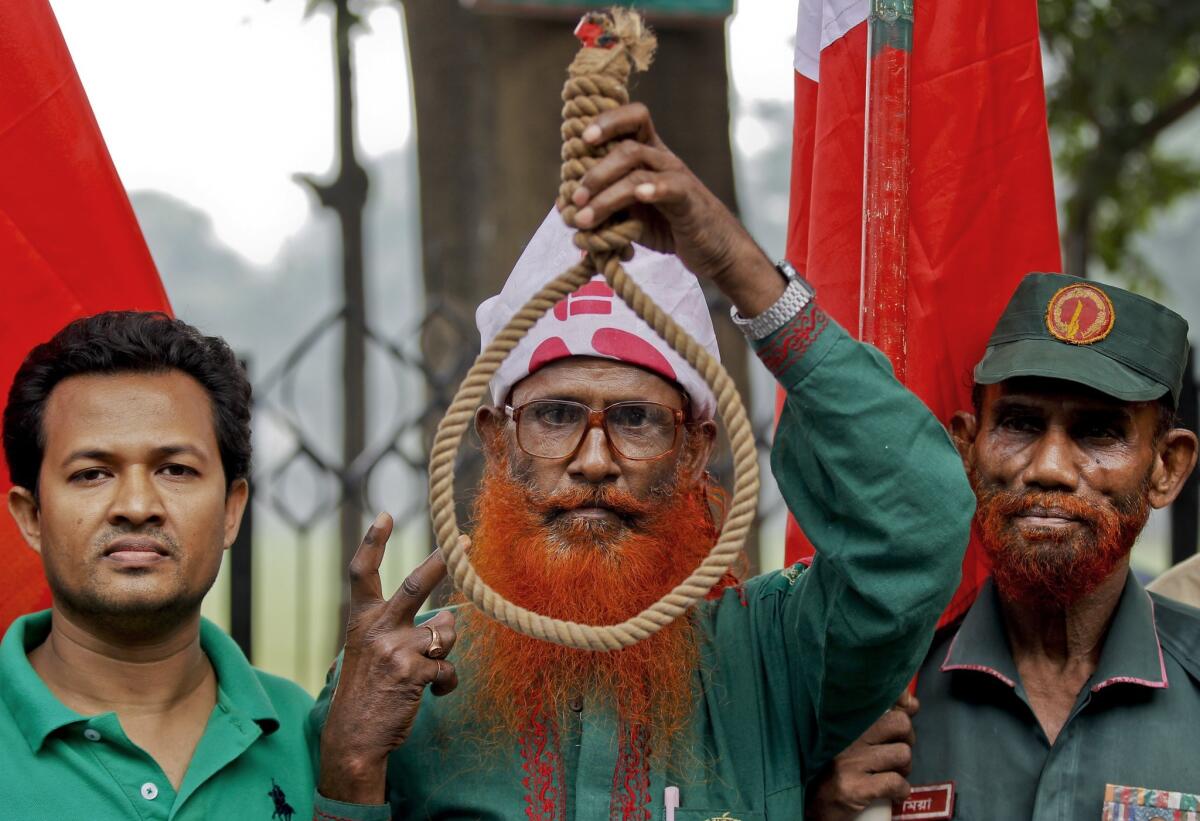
884,294
883,305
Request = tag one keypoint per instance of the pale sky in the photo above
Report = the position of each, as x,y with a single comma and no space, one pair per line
220,102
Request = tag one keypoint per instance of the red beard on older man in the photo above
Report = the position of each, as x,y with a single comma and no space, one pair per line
537,555
1050,566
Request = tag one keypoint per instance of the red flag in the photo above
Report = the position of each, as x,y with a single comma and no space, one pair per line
981,195
69,243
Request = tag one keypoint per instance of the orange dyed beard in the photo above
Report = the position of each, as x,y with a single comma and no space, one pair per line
1046,567
589,572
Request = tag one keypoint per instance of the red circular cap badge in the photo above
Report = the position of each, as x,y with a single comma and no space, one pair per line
1080,314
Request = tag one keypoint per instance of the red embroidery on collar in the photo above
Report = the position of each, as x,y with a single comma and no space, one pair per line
541,761
542,765
631,778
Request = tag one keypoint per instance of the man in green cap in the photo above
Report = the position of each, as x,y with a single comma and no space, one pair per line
1066,691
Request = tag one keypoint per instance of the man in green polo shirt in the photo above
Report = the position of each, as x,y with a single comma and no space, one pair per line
127,438
1067,691
595,502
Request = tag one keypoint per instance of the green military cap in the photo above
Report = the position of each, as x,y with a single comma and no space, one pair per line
1064,327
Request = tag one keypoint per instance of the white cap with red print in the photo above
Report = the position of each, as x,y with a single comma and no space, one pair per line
594,321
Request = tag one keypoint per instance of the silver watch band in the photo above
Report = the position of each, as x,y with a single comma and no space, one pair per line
797,294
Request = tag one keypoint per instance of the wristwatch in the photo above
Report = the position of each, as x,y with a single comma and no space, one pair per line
797,294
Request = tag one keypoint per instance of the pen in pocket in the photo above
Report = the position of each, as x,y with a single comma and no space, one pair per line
671,802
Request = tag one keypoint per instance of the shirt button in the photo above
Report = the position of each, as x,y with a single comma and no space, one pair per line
576,704
91,735
149,791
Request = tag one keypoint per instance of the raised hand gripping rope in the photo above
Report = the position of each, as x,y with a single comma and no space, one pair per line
614,43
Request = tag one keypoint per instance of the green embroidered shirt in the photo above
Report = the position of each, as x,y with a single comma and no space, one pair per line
58,764
794,666
1133,725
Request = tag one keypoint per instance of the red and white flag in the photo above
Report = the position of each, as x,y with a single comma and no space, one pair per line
981,194
69,243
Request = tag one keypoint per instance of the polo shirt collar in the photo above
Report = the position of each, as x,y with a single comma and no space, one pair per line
236,678
1132,651
38,712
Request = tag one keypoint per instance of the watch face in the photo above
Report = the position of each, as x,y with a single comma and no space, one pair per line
789,273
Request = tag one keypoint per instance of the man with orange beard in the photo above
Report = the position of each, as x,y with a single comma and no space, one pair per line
1067,691
595,502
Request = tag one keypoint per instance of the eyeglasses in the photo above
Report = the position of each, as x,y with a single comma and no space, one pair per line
554,428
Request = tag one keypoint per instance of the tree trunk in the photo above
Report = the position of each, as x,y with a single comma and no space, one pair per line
1077,242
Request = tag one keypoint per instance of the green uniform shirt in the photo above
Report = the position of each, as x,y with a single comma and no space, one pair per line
58,764
1135,724
794,666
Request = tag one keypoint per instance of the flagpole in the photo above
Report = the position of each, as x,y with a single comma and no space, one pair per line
883,300
883,307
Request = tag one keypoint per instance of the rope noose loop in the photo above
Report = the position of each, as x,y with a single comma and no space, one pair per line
597,82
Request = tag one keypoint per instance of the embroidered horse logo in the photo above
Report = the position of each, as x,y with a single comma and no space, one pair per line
283,810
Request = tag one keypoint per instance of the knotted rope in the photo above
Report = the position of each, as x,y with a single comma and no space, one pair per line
614,44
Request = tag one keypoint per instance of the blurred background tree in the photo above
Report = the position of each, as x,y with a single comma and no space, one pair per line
1119,75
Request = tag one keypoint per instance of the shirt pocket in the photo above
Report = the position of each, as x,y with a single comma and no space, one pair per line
717,815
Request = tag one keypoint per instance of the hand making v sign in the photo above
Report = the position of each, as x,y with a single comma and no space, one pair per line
387,664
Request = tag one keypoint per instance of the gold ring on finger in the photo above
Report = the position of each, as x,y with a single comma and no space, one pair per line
435,650
438,675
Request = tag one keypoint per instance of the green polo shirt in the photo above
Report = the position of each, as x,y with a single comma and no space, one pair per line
794,666
1135,724
58,764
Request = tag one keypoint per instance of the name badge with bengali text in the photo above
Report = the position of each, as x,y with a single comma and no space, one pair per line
925,802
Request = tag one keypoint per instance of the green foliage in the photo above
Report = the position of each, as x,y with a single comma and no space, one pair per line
1121,72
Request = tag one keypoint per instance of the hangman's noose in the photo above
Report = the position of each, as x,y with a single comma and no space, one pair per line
615,42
